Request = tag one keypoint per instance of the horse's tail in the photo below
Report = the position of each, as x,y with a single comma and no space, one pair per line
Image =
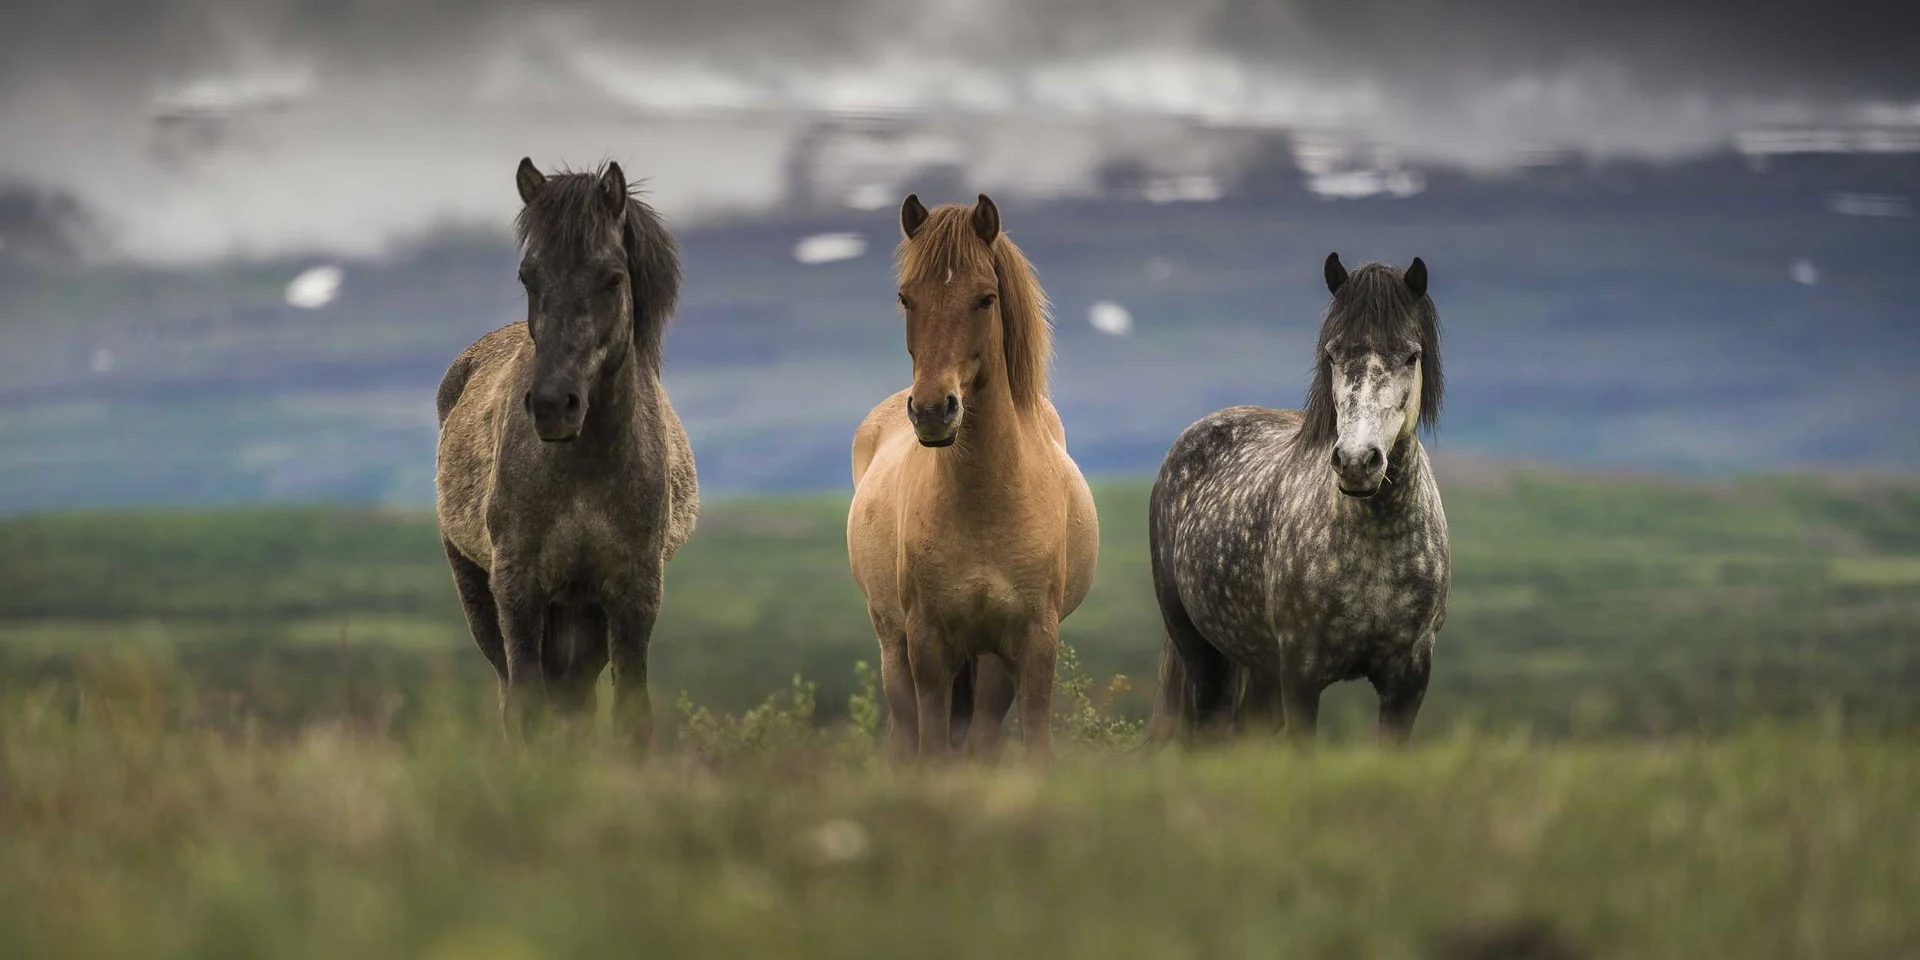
1173,706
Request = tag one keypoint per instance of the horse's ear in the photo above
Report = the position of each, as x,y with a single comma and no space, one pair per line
1417,278
1337,273
529,179
986,220
613,188
913,215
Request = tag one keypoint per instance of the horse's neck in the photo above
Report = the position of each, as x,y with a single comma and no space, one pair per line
621,393
1402,491
992,443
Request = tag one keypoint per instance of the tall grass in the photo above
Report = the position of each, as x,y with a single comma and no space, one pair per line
132,824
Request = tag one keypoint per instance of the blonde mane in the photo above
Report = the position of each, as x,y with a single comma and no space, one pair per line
946,244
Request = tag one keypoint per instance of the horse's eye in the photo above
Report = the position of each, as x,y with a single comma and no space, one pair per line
985,302
904,305
612,282
525,280
1413,358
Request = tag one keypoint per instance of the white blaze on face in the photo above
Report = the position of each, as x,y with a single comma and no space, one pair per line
1380,407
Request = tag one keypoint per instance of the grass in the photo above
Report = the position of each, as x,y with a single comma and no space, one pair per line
1669,720
1582,606
128,828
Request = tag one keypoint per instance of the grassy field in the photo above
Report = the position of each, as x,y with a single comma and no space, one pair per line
125,832
1669,720
1582,606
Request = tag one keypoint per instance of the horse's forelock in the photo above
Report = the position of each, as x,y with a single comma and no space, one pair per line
568,220
947,244
1374,304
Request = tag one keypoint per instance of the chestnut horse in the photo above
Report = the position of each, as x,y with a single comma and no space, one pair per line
972,532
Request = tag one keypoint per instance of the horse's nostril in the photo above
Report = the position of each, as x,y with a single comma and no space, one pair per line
953,406
1374,457
573,403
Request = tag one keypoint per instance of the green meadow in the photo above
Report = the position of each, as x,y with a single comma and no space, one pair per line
1669,719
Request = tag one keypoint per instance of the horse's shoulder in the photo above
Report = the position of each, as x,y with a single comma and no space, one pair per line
868,436
1050,419
481,357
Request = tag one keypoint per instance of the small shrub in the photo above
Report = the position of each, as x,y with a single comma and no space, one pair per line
1086,709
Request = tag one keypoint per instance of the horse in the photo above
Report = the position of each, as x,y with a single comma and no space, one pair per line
564,479
971,532
1292,550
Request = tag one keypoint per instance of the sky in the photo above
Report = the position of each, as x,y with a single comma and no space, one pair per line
366,122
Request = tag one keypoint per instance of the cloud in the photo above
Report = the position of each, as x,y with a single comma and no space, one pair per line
198,129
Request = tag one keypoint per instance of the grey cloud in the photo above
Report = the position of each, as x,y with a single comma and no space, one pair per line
405,112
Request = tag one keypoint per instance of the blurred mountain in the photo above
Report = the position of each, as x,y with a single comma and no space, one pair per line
1749,309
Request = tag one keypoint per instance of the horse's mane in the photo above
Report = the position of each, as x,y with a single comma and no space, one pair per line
567,220
946,242
1374,304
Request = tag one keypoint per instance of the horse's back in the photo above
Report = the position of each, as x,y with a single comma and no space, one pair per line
1225,439
474,390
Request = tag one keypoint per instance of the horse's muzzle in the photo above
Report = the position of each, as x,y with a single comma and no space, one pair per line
557,414
935,425
1359,470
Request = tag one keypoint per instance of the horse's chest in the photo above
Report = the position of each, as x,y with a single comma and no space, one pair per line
994,579
588,543
1360,597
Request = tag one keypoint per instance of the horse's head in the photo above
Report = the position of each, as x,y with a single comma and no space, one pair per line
950,293
579,296
1377,376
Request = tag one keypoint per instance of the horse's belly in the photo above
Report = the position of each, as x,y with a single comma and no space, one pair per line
1223,587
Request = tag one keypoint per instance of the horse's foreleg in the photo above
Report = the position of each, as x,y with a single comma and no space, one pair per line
522,610
994,689
631,619
1401,690
1039,657
932,665
896,682
483,614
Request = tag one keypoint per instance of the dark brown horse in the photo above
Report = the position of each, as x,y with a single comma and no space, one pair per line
1296,549
565,481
